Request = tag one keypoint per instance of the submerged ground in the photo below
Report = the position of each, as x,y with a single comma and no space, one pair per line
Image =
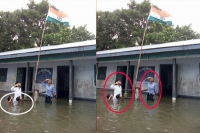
181,117
59,117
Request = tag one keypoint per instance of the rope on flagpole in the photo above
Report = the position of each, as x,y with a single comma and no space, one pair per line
141,50
39,53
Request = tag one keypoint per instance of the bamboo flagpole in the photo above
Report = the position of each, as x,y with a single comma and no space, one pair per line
39,52
135,81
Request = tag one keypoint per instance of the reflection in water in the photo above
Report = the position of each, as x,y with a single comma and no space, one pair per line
180,117
58,117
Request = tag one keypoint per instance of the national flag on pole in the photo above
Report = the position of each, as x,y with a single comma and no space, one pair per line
57,16
159,16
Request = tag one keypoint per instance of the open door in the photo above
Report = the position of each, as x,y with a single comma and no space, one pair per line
63,81
166,76
21,77
130,74
72,82
176,79
30,79
121,77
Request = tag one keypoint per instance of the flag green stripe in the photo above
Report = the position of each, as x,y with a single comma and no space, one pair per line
56,21
158,20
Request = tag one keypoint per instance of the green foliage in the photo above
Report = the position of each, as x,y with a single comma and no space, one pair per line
129,25
28,24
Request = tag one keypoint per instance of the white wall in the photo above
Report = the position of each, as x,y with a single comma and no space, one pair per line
83,76
84,86
112,66
188,77
11,77
188,80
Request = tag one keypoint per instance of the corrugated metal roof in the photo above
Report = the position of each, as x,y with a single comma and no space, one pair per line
63,48
155,48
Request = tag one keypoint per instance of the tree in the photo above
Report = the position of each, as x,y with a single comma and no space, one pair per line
124,27
23,28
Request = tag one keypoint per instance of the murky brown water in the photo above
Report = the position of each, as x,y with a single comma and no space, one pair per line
59,117
181,117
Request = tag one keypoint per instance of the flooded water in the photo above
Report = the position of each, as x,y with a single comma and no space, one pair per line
181,117
58,117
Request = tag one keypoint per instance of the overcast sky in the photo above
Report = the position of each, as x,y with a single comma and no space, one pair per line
80,12
184,12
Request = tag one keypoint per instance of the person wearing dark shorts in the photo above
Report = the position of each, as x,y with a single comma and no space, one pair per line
49,90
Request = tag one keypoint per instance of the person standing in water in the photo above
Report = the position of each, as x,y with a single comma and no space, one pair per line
117,90
49,90
17,89
151,88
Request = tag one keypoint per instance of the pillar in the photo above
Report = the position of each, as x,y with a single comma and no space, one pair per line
127,82
27,75
26,82
174,81
97,68
70,81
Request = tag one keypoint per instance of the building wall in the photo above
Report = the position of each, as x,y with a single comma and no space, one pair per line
112,66
11,77
84,86
83,76
187,77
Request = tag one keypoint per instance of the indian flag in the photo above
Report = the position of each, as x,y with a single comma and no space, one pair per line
159,16
57,16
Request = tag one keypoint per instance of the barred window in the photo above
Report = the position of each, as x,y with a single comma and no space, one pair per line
102,73
3,74
143,70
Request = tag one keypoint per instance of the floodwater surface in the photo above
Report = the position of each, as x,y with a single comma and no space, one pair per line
59,117
180,117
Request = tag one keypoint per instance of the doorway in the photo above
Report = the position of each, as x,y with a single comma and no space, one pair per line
121,77
30,79
130,74
21,77
166,78
63,81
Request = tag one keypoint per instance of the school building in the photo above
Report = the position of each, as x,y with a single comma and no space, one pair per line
177,64
71,67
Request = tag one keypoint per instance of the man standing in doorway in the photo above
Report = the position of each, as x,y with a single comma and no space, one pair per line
117,90
49,90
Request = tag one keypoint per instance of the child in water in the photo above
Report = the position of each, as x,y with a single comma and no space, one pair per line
110,97
10,100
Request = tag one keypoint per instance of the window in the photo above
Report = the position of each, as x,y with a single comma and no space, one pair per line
102,73
44,73
142,71
3,74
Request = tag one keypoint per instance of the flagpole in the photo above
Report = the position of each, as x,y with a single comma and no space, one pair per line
141,50
39,52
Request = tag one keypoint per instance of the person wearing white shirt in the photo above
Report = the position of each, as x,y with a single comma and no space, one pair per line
117,90
17,89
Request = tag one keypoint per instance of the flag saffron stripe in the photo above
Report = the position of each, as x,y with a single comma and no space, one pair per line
58,13
161,13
